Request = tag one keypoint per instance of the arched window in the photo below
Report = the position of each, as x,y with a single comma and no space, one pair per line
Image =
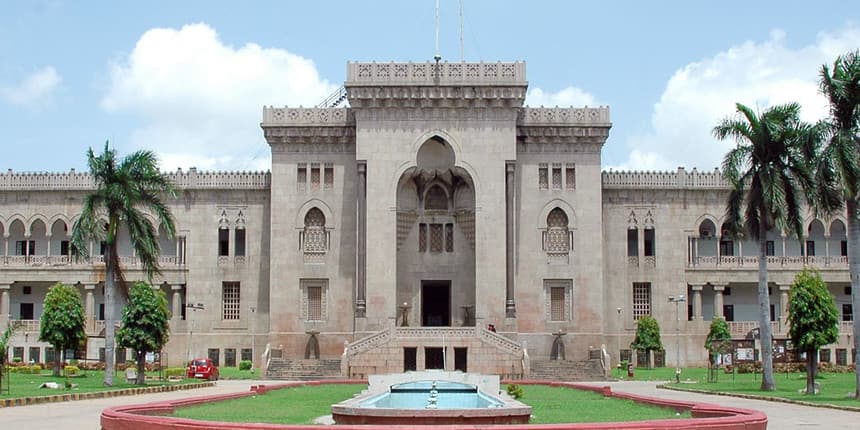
436,199
314,236
557,240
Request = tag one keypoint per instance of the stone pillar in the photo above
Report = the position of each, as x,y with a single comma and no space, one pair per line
90,305
4,305
176,303
718,300
48,239
783,305
510,184
827,250
719,254
697,302
361,246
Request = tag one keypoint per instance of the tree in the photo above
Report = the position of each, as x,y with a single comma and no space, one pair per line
839,167
145,325
63,321
771,172
718,338
813,319
123,190
4,347
647,337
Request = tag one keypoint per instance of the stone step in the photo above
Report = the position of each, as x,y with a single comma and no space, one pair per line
563,370
303,369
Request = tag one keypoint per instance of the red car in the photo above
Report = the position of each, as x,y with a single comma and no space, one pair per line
202,368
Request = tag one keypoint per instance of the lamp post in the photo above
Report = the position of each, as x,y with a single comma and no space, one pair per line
677,300
194,307
620,311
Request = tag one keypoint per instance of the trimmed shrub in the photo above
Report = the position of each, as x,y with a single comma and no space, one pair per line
70,370
174,371
515,391
245,365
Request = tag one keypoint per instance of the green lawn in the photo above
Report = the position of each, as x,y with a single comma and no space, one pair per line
554,405
27,385
297,405
235,373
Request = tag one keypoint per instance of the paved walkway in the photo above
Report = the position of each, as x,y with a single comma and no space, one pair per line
84,414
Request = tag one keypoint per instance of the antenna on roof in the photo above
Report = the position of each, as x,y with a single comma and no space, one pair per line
438,56
462,57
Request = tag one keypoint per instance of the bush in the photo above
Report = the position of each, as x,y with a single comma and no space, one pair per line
174,371
515,391
70,370
34,369
245,365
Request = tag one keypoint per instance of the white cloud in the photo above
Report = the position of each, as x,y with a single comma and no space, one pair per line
700,94
35,90
204,97
570,96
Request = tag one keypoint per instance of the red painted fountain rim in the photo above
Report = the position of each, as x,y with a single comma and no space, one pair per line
149,416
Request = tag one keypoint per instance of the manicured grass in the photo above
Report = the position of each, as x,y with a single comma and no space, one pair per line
295,405
235,373
555,405
27,385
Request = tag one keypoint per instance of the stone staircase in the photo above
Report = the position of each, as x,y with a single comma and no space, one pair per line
295,369
564,370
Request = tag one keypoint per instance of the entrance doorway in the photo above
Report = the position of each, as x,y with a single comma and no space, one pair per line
434,358
436,303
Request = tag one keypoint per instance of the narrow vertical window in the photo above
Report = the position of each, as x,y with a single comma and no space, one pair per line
223,242
240,242
449,237
558,299
641,299
315,176
847,312
727,248
810,248
328,177
230,296
556,176
422,237
843,249
649,242
314,303
632,242
436,239
314,299
556,303
570,178
302,177
543,177
768,248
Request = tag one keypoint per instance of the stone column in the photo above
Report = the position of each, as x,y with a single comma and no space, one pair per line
48,240
827,250
719,253
510,184
697,302
718,300
90,304
783,305
176,304
361,246
4,304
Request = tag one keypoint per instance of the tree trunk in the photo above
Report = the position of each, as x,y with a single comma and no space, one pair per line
110,304
854,269
141,367
58,357
767,382
810,370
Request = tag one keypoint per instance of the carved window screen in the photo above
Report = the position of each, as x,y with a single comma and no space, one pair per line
556,303
328,177
436,239
557,238
558,299
556,176
422,237
641,299
449,237
543,177
570,178
314,299
314,238
230,301
315,176
314,303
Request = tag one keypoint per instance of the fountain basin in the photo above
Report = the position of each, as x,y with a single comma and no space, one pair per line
431,398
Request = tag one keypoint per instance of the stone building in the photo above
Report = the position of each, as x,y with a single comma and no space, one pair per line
435,222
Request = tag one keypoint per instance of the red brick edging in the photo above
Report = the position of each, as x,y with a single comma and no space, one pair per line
65,397
705,416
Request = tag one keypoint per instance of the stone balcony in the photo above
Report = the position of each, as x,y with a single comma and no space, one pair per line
41,261
751,262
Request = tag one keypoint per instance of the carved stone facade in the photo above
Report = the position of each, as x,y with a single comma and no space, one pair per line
436,222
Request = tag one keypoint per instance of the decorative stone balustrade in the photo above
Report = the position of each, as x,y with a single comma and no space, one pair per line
164,261
751,262
191,179
679,179
307,116
532,116
430,73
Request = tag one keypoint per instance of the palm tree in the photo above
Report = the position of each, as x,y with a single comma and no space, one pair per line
839,167
770,171
123,190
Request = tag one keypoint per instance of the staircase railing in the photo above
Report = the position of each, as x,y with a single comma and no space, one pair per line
367,342
334,99
500,342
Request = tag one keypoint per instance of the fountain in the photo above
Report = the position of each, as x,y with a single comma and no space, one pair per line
431,397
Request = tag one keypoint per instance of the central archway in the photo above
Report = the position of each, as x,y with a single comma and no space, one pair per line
436,238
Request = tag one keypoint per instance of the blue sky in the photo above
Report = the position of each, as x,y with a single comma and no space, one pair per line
189,79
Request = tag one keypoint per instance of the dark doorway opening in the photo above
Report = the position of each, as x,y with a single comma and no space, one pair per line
436,303
410,359
434,358
460,355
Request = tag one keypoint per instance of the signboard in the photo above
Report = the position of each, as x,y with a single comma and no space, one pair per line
745,354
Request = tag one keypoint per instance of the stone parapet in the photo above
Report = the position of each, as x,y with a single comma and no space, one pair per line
304,117
558,116
192,179
430,73
680,179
